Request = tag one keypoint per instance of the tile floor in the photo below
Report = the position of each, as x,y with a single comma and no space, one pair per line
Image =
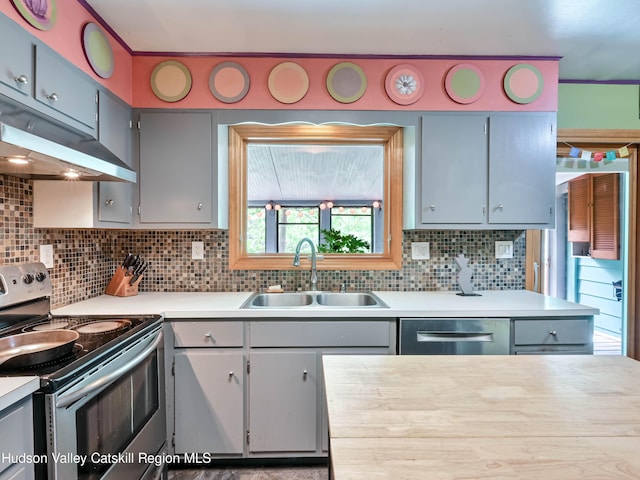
263,473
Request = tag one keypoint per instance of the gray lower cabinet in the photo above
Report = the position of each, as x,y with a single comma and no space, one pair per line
176,168
283,395
552,335
487,170
18,420
239,388
209,398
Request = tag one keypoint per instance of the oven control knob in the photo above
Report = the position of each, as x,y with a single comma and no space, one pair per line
28,279
40,276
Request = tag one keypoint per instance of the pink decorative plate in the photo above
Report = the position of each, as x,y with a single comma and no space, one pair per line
404,84
288,82
229,82
171,81
523,83
464,83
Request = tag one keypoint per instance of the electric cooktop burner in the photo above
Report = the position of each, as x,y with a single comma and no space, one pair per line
103,327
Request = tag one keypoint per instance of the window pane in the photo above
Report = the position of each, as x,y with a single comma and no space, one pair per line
256,230
295,223
356,221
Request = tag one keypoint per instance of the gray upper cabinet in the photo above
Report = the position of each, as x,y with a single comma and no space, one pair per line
454,172
36,76
487,171
16,61
522,168
66,90
115,199
176,169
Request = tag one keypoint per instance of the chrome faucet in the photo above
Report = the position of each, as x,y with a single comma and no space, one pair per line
314,270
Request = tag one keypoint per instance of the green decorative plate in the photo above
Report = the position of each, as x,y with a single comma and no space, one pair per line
97,49
464,83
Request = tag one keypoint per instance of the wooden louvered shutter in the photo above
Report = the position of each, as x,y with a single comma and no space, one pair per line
579,214
605,222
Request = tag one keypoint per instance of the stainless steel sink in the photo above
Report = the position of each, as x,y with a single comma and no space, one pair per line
278,300
350,299
314,300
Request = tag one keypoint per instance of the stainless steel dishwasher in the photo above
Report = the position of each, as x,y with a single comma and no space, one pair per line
454,336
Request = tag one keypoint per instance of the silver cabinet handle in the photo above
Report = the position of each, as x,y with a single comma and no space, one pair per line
432,207
21,80
230,374
553,332
110,202
536,276
200,206
208,335
499,207
52,97
454,337
305,373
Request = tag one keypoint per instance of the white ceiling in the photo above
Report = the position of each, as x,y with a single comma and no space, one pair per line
597,39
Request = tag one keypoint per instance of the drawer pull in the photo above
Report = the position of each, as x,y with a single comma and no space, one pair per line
454,337
230,374
553,332
21,80
208,335
53,97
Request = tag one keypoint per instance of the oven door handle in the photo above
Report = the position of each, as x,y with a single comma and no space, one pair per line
67,399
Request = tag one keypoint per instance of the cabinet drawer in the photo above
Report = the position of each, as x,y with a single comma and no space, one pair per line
330,333
208,334
552,331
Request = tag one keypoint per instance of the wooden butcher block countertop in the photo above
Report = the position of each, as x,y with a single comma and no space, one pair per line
483,417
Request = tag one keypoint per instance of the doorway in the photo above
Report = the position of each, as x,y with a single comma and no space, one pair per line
565,269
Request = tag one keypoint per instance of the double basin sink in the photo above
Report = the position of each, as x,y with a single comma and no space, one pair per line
314,300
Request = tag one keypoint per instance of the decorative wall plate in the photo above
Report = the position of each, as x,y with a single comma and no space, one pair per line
229,82
523,83
404,84
346,82
288,82
464,83
41,14
170,81
97,49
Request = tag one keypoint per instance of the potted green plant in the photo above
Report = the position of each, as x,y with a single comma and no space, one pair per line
336,242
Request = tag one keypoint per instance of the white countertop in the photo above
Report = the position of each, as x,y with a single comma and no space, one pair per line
498,303
14,389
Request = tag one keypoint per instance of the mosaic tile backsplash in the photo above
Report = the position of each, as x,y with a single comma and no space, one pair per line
85,258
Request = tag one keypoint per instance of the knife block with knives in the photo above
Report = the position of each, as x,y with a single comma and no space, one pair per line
127,277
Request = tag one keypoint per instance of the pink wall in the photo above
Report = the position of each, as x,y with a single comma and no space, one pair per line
131,77
317,97
65,37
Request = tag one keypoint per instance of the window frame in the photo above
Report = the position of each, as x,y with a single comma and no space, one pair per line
390,137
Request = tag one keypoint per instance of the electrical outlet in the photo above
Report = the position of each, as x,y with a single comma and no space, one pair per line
197,250
420,251
46,255
504,249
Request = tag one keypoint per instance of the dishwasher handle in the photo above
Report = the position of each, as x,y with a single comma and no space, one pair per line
423,336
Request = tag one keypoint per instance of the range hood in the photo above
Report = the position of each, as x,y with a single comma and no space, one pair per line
33,147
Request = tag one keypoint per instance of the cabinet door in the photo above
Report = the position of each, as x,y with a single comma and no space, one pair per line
64,89
283,402
175,167
454,168
579,213
605,222
209,407
522,168
16,60
114,132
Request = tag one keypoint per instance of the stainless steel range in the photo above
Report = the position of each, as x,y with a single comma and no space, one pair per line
99,413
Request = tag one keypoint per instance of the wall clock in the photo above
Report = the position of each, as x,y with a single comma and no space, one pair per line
404,84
